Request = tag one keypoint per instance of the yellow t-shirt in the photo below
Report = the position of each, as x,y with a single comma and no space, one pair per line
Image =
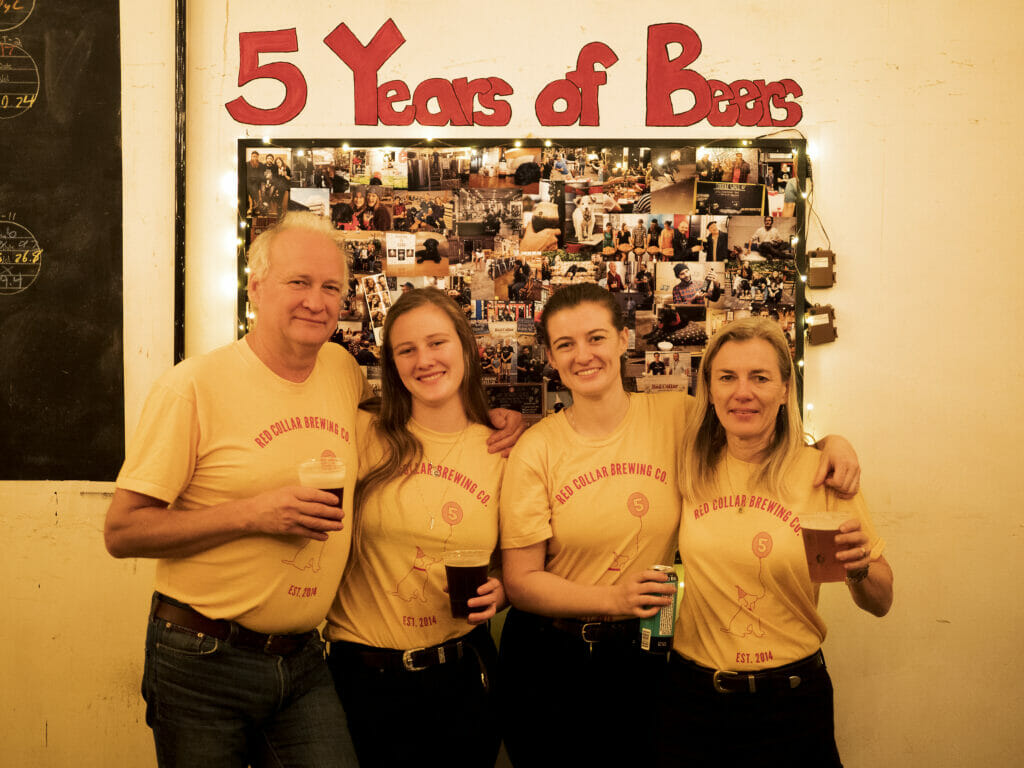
223,426
393,594
748,600
606,507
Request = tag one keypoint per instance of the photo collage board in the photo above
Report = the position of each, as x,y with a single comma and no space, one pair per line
687,236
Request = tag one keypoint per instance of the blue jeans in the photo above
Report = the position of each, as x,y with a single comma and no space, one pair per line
210,703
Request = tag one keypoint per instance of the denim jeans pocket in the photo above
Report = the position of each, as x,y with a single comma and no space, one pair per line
178,640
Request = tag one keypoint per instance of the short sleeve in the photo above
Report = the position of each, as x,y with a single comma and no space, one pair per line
161,458
525,508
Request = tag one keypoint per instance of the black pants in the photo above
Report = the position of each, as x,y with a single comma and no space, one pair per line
443,715
700,727
567,704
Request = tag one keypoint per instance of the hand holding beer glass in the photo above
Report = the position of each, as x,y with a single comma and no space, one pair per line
326,473
466,572
834,546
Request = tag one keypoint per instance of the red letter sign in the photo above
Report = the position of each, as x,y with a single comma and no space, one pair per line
250,46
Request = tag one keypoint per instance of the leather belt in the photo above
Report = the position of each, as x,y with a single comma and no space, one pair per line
784,678
230,631
413,659
597,631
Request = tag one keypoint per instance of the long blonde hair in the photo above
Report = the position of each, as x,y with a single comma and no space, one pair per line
704,438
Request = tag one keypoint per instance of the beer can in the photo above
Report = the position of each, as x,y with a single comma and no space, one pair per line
656,632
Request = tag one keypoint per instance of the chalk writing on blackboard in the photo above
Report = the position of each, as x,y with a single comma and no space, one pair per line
19,78
14,12
21,257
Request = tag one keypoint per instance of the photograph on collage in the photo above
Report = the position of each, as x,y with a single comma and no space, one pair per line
434,168
493,167
778,172
685,238
423,211
673,177
384,165
268,182
489,212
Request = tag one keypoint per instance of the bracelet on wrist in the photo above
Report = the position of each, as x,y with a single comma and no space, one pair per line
856,577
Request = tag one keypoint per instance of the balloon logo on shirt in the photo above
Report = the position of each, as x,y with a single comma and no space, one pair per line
451,513
762,545
637,504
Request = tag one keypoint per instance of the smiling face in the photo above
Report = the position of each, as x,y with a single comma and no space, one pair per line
428,357
586,349
299,298
747,390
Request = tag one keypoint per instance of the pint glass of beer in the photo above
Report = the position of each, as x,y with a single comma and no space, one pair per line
326,473
819,532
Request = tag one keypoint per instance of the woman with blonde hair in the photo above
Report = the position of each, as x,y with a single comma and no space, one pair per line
747,662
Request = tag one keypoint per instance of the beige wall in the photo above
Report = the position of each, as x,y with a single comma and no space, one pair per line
911,109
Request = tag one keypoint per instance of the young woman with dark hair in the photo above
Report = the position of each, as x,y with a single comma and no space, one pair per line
590,503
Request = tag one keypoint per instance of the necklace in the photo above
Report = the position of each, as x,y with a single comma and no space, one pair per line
732,489
434,470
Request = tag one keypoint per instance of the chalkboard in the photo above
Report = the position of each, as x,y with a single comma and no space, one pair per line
61,358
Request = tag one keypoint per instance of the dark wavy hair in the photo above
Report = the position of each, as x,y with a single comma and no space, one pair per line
394,408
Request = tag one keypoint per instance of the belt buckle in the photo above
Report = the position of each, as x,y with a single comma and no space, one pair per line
407,661
716,680
589,625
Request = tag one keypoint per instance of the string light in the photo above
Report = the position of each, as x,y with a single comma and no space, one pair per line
266,139
547,142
